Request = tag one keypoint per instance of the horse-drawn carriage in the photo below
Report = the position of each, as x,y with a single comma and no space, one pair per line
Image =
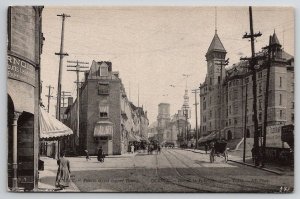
218,148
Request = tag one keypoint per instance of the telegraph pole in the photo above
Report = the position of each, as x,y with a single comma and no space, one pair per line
222,64
49,96
253,63
77,70
61,56
245,119
196,92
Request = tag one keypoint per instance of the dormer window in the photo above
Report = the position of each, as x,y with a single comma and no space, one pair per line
103,71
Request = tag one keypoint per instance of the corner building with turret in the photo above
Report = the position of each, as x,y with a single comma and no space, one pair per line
226,97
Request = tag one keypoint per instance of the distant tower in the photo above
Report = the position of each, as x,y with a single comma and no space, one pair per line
186,106
163,117
163,120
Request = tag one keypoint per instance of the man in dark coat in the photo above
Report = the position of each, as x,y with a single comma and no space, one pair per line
100,154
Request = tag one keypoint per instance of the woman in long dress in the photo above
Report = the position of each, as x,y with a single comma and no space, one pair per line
63,172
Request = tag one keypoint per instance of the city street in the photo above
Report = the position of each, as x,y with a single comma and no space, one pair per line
173,170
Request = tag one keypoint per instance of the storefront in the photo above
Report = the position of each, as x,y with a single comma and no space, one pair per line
53,133
103,133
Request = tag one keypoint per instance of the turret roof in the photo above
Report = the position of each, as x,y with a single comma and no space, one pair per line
216,45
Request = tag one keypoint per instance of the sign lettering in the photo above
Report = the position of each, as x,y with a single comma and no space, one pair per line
20,70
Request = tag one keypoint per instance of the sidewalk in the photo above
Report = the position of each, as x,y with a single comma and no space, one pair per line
270,167
47,178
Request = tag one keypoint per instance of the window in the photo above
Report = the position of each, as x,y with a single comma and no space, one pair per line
103,71
259,104
229,109
292,117
210,81
259,88
103,88
280,82
259,74
280,99
219,79
235,121
229,121
280,114
260,117
204,105
103,110
210,113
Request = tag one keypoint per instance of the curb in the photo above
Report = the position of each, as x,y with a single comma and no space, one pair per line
250,165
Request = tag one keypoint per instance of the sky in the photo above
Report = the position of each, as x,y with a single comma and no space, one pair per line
152,47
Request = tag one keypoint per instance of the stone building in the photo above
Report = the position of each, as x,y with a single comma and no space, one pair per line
24,47
173,128
107,118
226,94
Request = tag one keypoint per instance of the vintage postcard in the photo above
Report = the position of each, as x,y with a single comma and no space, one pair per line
150,99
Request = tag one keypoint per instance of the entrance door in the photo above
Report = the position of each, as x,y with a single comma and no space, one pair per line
103,142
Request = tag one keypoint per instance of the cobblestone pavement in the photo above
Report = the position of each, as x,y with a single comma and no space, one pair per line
173,170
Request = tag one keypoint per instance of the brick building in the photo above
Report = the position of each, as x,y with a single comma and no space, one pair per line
107,118
226,94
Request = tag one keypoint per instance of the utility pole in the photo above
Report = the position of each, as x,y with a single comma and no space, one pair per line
49,96
65,95
253,63
222,64
245,120
195,91
61,56
77,70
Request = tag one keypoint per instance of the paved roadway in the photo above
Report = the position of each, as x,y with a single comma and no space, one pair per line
173,170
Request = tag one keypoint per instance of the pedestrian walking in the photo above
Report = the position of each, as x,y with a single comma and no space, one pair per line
87,157
158,149
63,172
100,155
132,148
206,147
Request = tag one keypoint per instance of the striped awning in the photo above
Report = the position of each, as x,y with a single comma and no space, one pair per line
51,128
103,128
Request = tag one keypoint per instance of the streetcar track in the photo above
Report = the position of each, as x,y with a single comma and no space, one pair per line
177,184
223,182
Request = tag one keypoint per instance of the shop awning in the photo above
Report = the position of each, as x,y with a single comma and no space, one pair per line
51,128
209,137
103,128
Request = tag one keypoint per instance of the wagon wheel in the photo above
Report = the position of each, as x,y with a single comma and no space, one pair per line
211,156
226,155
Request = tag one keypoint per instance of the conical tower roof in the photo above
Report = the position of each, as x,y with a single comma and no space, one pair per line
275,39
216,45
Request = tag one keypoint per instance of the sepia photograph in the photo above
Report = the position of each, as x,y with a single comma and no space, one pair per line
150,99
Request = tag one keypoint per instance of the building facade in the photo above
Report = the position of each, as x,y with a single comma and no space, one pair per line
226,94
25,42
173,128
107,118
